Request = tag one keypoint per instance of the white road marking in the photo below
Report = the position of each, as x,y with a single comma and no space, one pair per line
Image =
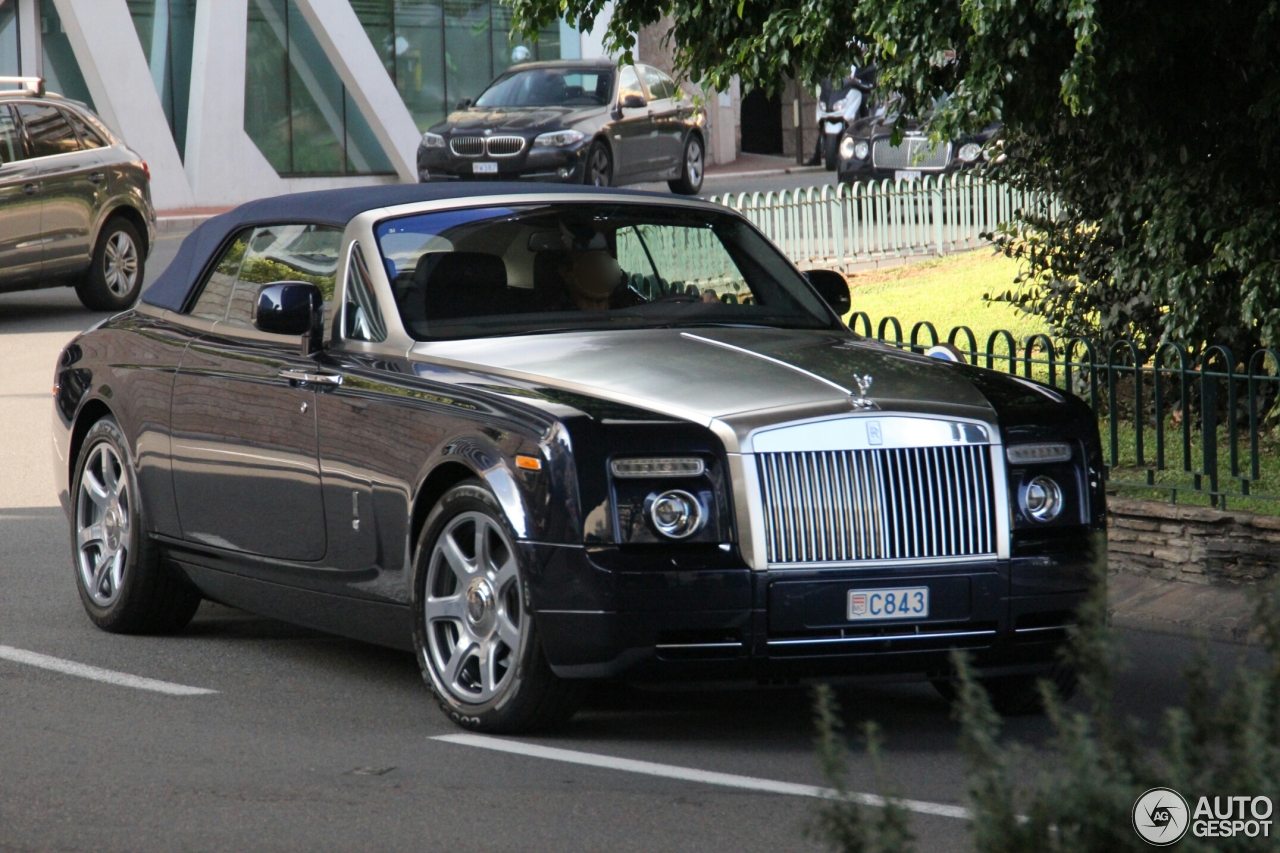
94,673
689,774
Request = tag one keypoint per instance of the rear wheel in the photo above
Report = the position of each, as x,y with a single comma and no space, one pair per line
691,170
599,170
116,271
124,585
476,639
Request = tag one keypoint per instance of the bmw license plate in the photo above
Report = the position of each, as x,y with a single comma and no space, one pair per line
898,175
904,602
484,168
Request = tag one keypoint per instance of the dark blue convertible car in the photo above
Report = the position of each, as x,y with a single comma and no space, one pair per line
540,436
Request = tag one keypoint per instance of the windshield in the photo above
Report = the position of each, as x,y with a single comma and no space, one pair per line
556,267
549,87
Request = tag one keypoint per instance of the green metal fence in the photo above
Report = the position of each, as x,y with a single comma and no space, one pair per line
842,226
1173,423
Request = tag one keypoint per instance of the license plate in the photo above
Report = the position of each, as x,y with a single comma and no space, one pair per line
898,175
909,602
492,168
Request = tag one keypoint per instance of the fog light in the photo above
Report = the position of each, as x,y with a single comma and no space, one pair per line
562,172
1042,499
862,150
676,514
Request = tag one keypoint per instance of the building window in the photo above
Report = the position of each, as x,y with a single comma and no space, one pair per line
296,109
166,29
10,65
58,63
441,51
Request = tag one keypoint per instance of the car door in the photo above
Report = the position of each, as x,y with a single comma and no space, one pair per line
71,181
20,246
668,144
633,133
246,471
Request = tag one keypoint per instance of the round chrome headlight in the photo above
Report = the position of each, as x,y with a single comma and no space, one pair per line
846,148
1042,499
676,514
969,152
862,150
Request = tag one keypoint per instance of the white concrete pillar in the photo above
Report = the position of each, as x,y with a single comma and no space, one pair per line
115,69
352,54
29,38
223,164
592,43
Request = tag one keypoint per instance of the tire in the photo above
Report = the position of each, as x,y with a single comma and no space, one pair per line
831,150
115,274
598,169
124,584
1017,695
468,585
692,167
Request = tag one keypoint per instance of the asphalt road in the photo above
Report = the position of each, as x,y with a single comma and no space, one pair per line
317,743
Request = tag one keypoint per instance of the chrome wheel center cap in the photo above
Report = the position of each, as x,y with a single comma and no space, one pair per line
111,526
481,605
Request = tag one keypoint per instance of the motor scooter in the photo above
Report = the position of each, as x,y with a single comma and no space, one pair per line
838,108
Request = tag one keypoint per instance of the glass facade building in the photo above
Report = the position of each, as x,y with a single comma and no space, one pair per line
58,63
296,109
10,64
441,51
166,29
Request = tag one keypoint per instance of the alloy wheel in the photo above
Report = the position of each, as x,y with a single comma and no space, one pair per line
120,264
103,505
475,619
599,168
693,163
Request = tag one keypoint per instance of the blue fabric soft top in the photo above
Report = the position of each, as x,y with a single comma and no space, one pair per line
327,207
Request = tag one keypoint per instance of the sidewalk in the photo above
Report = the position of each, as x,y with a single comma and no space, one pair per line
1220,613
171,221
756,166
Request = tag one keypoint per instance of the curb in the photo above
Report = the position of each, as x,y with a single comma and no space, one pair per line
763,173
1220,613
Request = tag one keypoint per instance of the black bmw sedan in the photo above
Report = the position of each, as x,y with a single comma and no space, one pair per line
579,122
544,436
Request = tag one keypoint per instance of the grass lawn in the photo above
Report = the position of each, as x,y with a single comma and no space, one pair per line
947,292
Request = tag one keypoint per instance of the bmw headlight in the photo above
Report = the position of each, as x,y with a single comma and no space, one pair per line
558,139
862,150
1042,498
970,152
676,514
432,140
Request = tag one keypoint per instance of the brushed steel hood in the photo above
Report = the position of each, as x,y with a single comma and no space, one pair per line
740,378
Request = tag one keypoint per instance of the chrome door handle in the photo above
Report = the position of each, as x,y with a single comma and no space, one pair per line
304,377
97,177
30,189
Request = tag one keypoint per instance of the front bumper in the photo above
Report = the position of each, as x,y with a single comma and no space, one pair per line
558,165
726,622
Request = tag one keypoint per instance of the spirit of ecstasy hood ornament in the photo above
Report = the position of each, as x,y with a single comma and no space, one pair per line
861,401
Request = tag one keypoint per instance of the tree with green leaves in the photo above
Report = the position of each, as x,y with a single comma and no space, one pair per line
1155,123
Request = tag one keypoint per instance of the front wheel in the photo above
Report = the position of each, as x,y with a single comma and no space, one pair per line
691,169
475,636
599,170
125,586
116,271
832,150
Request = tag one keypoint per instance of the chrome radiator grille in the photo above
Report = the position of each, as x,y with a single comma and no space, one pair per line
467,146
882,504
494,146
914,153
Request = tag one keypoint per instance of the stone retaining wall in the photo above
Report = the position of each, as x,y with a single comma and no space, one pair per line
1191,543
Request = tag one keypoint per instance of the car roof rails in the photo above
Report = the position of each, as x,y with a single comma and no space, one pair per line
33,86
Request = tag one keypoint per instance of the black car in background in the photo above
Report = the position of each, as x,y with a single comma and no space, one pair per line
579,122
867,151
75,201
